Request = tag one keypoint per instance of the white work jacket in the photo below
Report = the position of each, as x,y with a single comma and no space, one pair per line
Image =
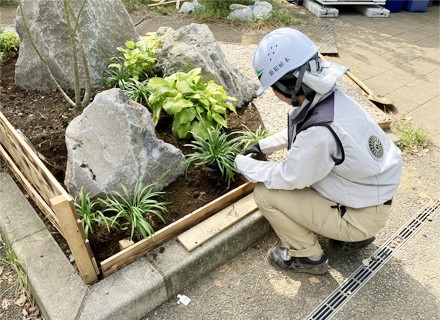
370,168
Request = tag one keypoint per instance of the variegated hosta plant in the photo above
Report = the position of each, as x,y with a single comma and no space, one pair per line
194,104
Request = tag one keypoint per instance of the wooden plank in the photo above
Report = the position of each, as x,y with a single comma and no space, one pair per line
161,3
177,4
380,117
209,228
69,223
140,248
385,124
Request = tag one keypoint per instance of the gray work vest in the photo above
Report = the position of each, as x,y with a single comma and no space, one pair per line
368,165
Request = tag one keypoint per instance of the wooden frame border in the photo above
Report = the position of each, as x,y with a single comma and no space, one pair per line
140,248
48,194
57,205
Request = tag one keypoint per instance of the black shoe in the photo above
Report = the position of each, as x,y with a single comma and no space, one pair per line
351,246
280,257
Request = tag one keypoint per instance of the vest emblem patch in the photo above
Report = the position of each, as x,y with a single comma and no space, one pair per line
375,147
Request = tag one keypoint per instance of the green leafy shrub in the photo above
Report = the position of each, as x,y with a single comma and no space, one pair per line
216,150
194,104
135,211
89,214
9,42
138,57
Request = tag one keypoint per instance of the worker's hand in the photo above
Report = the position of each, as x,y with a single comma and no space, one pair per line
252,151
213,169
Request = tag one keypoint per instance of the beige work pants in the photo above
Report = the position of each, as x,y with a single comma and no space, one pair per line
296,215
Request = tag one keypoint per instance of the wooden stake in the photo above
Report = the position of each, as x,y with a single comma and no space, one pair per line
125,243
68,220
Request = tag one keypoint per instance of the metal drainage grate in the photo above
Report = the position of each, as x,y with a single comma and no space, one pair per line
328,308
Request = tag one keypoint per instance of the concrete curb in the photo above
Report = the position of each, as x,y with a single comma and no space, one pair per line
57,288
131,292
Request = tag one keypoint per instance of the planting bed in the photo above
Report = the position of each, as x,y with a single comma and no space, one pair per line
43,118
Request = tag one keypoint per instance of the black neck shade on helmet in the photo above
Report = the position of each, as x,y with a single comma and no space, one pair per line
285,83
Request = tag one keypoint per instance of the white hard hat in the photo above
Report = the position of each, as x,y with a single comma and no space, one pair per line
280,51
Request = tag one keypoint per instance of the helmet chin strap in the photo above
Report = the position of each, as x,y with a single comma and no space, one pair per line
298,85
292,93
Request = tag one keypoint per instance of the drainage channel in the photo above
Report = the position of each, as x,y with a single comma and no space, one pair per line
328,308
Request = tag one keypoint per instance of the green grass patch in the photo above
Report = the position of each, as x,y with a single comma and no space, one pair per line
218,10
20,273
8,3
166,10
280,17
410,136
215,10
133,5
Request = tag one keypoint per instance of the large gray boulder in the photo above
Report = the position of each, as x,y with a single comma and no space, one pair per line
112,142
106,25
194,46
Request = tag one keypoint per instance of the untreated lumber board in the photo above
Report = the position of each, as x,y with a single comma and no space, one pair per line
125,243
381,118
72,228
140,248
209,228
161,3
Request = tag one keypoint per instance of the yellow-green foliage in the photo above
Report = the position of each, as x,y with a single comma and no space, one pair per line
138,57
410,136
9,42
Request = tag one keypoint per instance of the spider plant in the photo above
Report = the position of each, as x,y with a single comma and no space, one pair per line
137,90
136,210
218,150
117,76
248,137
86,208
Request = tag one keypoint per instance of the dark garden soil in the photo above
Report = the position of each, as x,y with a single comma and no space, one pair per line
43,118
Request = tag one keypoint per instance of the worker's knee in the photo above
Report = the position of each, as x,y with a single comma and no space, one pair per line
260,194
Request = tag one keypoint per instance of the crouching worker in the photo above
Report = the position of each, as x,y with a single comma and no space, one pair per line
341,170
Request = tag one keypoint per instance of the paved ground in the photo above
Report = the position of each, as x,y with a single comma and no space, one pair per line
399,57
